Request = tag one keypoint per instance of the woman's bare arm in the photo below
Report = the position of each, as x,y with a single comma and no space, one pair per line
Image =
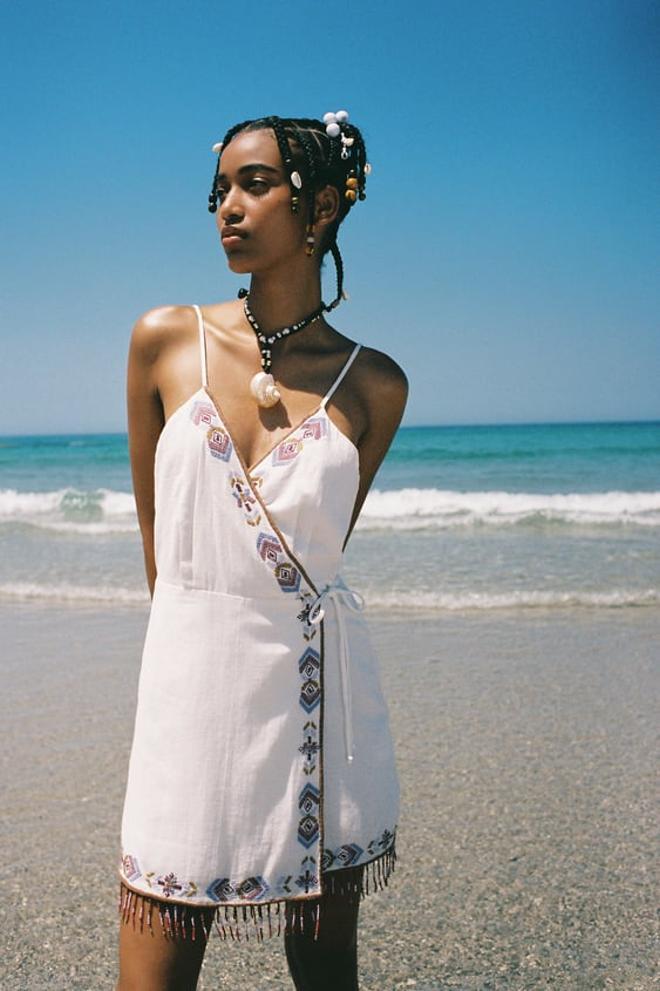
385,388
145,422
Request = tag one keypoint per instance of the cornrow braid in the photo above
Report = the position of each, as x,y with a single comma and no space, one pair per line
305,141
319,160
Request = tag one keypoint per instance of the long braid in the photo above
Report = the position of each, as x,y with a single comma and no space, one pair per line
339,265
305,141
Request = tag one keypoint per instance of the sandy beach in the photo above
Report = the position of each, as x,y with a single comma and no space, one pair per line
526,747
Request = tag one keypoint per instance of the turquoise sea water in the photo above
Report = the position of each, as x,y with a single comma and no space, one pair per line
460,517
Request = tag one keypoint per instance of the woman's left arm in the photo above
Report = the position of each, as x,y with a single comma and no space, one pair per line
385,391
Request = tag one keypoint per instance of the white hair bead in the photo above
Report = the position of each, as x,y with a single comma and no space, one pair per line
367,168
329,118
296,180
217,147
341,116
332,130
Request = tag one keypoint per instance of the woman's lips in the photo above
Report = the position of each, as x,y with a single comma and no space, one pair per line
230,235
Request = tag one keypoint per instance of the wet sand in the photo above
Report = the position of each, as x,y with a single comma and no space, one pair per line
526,746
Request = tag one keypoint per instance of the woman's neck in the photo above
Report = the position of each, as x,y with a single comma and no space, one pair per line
278,301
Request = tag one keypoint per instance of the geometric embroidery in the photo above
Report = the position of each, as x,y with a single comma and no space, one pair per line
130,867
310,746
202,413
308,803
246,499
170,884
253,887
309,667
286,451
286,573
313,428
270,549
219,443
348,854
308,879
351,853
222,890
288,576
309,629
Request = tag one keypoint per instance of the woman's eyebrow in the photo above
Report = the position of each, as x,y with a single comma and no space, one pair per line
253,167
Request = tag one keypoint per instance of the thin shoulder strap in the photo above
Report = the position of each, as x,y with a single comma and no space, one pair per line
347,365
202,345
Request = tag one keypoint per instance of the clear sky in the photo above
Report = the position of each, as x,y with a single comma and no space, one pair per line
507,254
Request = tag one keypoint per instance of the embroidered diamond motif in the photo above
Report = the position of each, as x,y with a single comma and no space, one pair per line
288,576
252,888
219,443
287,451
202,413
348,854
221,890
131,867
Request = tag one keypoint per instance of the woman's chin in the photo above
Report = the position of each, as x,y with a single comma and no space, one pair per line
237,264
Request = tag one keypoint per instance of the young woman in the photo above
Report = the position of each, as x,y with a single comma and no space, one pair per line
262,791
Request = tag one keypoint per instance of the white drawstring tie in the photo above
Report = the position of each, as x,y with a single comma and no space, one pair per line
339,593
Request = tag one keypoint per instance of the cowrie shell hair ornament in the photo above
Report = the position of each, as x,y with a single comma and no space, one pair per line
217,147
296,180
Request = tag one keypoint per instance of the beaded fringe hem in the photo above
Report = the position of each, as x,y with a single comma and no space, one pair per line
235,922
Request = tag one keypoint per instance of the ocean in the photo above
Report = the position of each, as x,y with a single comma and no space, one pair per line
503,517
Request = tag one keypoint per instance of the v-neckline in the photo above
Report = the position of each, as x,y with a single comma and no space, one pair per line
253,467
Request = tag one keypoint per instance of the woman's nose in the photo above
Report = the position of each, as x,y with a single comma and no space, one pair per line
230,208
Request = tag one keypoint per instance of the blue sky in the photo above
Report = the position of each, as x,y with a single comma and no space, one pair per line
506,255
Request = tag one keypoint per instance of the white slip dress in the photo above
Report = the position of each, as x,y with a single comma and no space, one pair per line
262,759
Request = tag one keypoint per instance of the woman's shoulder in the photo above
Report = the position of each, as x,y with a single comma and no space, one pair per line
166,325
380,372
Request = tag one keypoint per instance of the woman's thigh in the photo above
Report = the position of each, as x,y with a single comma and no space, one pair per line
151,959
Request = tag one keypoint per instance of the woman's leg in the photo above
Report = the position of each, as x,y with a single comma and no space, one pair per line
150,960
328,963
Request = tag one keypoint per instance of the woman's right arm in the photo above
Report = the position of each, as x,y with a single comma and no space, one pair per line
145,422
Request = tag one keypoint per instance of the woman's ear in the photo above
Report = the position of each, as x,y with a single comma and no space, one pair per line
326,206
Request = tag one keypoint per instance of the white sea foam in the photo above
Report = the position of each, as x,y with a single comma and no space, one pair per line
106,511
406,602
94,513
73,594
416,509
530,599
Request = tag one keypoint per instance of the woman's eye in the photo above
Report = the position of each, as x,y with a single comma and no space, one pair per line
259,185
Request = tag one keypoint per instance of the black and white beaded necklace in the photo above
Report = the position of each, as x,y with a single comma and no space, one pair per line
262,385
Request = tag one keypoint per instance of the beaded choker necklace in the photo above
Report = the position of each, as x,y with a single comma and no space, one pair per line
262,385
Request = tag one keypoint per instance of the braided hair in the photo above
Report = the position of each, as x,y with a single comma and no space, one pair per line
313,159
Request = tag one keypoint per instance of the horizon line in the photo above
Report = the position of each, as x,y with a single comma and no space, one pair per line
406,426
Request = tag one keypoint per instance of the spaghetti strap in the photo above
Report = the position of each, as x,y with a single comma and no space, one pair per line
347,365
202,345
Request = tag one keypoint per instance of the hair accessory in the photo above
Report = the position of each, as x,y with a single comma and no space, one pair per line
309,239
332,120
217,147
262,385
296,180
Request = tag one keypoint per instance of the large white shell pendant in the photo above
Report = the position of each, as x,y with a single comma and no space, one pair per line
264,390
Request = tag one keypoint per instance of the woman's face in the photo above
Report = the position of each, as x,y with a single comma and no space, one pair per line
254,218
